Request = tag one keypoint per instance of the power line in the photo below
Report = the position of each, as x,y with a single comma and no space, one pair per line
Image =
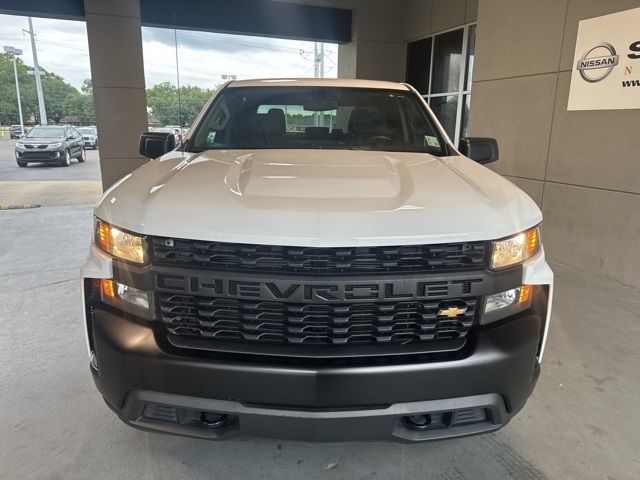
62,45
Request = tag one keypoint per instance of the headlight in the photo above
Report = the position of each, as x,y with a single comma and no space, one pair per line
124,297
515,249
54,145
504,304
20,145
119,243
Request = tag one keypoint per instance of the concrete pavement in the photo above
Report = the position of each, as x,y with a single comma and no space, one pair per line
56,192
581,422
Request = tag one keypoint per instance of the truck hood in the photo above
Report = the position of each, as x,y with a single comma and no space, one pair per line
318,198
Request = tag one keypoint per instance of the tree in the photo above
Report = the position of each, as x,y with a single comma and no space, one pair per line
56,91
8,101
164,104
164,101
87,87
59,96
80,106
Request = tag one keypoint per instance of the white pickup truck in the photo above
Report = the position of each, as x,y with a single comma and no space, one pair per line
317,261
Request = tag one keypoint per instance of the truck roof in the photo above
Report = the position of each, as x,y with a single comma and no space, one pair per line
318,82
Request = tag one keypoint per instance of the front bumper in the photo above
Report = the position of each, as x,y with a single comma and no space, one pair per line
156,388
268,399
39,155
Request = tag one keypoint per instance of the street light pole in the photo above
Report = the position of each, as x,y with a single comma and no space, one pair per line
318,72
14,53
15,73
36,69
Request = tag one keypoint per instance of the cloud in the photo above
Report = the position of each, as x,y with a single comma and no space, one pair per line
208,41
202,56
61,45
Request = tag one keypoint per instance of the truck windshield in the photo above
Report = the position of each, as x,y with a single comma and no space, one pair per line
315,118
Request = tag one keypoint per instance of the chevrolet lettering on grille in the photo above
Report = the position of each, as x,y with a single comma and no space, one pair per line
310,291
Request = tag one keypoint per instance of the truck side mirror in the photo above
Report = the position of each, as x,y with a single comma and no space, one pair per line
482,150
155,144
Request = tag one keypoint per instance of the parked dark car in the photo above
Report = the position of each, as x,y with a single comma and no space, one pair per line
51,144
15,131
90,136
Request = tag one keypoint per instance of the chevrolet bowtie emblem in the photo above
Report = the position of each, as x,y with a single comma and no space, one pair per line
452,312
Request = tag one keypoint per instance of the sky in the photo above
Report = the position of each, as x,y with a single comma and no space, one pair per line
203,57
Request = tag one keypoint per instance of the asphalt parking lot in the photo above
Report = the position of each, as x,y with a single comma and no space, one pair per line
9,169
45,183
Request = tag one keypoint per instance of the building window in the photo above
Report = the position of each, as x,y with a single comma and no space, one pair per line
440,67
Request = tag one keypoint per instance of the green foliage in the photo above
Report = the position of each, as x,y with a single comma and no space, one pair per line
169,108
58,94
87,87
81,107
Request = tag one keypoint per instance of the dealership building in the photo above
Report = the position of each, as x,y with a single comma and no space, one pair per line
494,68
555,82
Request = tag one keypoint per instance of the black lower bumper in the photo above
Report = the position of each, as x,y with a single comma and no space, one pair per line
151,389
41,156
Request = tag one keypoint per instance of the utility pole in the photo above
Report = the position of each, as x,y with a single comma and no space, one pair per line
318,60
318,72
315,61
36,69
14,53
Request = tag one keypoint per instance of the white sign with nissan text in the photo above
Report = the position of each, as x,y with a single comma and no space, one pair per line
606,66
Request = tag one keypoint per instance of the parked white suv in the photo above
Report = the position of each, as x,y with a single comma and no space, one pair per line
316,262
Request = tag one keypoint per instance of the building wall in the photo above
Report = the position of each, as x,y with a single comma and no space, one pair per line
117,75
381,29
425,17
582,167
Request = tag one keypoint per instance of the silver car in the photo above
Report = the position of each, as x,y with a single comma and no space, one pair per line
89,136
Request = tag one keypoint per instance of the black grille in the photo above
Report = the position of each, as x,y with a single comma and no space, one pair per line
399,322
38,155
313,260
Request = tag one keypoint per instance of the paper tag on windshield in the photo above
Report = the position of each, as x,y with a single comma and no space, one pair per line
431,141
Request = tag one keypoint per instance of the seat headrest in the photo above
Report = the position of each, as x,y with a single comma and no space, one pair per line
274,122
